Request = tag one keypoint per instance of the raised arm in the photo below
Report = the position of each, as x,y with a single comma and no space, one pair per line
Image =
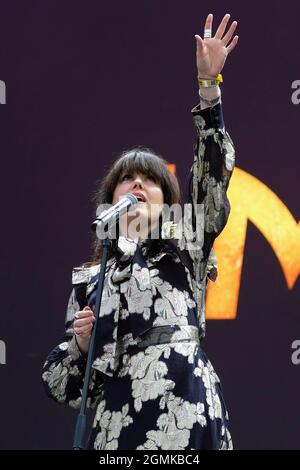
214,154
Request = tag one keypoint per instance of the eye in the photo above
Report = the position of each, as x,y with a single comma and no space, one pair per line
152,178
126,176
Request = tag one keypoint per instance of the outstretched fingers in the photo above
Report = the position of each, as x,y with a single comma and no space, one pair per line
232,44
222,26
208,26
227,38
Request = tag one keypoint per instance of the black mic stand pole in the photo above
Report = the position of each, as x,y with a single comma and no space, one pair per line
78,443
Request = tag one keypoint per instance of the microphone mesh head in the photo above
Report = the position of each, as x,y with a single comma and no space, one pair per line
132,197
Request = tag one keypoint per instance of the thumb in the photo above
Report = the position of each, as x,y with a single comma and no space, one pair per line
199,41
86,308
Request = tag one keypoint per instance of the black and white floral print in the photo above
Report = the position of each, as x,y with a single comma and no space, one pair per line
152,385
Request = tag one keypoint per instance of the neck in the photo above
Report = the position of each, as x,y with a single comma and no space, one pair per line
139,233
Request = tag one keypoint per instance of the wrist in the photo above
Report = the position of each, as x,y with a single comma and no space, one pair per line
210,92
82,344
202,76
209,96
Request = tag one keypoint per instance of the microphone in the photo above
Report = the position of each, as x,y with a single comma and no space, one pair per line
111,215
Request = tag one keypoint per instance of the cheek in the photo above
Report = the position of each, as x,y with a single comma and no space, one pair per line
116,194
160,197
114,199
157,202
156,195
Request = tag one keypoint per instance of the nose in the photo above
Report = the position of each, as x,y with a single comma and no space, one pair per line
137,182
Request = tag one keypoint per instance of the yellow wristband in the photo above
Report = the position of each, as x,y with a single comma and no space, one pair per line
205,82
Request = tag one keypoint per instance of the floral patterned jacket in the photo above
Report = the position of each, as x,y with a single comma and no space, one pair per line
132,278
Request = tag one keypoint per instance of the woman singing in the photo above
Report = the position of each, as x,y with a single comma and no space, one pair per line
152,384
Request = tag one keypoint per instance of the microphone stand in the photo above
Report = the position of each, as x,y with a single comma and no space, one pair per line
111,214
78,443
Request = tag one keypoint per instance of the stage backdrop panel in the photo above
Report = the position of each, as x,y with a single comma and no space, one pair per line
79,83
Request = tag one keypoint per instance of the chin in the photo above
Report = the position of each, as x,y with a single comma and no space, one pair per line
140,211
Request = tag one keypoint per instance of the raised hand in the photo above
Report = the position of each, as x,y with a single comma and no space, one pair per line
212,51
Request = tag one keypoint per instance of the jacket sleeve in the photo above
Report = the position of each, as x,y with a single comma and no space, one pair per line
214,159
64,369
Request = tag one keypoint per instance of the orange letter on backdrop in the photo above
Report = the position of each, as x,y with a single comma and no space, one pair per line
251,200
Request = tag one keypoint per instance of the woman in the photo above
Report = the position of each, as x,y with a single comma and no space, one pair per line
152,384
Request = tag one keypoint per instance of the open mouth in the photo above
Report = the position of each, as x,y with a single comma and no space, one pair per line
140,197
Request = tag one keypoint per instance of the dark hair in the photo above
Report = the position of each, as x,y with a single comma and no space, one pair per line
138,159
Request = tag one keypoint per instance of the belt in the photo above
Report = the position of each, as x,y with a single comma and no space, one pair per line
159,335
164,334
